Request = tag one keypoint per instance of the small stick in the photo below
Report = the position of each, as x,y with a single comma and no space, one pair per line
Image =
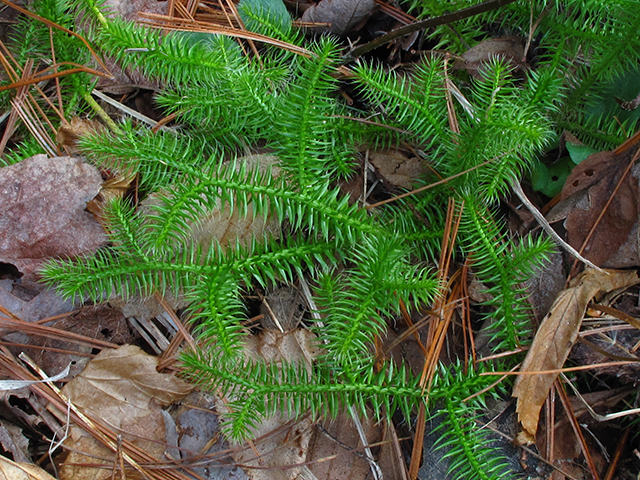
424,24
547,228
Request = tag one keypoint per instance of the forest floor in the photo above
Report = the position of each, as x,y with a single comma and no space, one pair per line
104,398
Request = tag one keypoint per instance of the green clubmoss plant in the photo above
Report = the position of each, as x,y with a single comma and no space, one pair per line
361,263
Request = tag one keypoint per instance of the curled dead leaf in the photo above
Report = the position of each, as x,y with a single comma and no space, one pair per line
70,132
554,340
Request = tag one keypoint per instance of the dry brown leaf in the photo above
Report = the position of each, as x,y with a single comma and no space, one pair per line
286,304
100,322
290,445
509,48
217,225
554,341
342,15
112,189
13,441
10,470
396,169
329,457
122,389
42,212
596,178
69,133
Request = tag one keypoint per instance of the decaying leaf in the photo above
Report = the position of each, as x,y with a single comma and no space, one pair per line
509,48
596,178
100,322
42,213
328,449
122,389
112,189
13,441
10,470
554,341
69,133
341,15
396,169
218,226
197,434
290,445
282,309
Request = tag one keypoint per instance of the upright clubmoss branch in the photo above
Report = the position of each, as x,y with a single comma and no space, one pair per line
362,264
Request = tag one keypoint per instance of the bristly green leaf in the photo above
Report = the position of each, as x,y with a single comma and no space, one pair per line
355,304
502,266
415,103
305,124
173,58
256,389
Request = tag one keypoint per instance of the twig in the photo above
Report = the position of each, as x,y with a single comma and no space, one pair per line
592,412
547,228
528,450
429,22
375,468
431,185
127,110
616,457
576,429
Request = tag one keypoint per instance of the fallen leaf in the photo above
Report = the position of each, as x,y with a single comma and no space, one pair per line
112,189
333,448
341,15
614,345
70,132
13,441
290,445
122,389
31,302
217,225
42,213
25,407
201,441
554,340
286,304
597,177
396,169
509,48
99,322
10,470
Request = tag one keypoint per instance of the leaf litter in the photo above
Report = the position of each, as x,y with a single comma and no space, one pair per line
122,389
295,344
43,212
555,339
602,180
